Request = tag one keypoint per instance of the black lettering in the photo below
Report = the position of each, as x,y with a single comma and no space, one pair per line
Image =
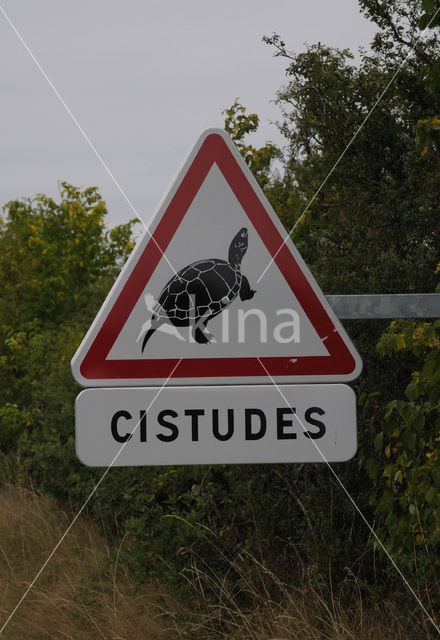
195,413
168,425
215,430
282,423
315,423
143,425
248,415
114,426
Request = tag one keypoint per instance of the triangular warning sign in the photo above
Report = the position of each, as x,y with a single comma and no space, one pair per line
197,292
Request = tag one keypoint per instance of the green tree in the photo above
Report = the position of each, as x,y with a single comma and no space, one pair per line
406,466
54,255
261,161
372,228
57,262
371,217
238,124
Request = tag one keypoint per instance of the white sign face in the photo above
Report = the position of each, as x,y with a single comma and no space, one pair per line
215,425
198,288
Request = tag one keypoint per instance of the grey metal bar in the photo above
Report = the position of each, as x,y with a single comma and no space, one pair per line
393,305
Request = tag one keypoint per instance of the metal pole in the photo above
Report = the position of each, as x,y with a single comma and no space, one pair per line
386,306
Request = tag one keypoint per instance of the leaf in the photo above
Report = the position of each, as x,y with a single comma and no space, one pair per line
372,470
411,443
424,21
378,441
412,391
428,6
419,420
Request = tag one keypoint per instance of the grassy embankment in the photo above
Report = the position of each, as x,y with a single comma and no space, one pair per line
86,592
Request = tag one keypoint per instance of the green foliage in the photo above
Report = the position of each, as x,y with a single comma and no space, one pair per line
408,30
12,423
406,467
428,135
372,226
259,161
53,254
431,16
57,262
371,209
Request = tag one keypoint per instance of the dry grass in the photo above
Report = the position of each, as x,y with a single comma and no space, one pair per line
311,611
302,614
83,595
80,595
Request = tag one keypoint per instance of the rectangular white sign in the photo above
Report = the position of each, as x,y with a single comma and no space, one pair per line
215,425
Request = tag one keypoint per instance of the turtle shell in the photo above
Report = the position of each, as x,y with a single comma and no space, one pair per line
210,285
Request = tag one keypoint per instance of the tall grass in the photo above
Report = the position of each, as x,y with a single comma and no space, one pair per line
86,591
251,603
81,594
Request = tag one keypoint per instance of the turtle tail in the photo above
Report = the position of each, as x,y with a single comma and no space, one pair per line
147,337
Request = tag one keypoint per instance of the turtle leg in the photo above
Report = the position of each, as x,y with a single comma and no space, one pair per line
199,336
200,333
206,333
246,293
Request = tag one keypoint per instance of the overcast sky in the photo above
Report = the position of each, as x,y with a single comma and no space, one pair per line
143,78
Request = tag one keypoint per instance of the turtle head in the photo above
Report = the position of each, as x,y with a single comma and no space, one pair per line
238,248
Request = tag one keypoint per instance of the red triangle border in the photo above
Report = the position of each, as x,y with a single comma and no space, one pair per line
339,362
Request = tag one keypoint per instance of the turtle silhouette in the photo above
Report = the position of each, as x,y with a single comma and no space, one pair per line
200,291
